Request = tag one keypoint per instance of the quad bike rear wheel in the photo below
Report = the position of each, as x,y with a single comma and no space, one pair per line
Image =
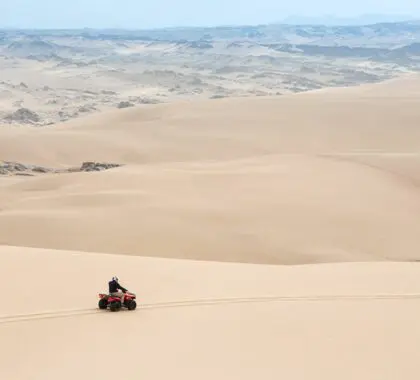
115,306
103,304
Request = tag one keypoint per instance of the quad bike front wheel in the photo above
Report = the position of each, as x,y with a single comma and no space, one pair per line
132,305
103,304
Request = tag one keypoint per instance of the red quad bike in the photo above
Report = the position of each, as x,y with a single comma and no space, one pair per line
114,303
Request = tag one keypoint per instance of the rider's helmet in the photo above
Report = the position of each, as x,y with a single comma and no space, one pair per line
115,278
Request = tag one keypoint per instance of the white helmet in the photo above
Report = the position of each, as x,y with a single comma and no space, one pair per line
115,278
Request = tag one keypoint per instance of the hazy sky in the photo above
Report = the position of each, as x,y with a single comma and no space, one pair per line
157,13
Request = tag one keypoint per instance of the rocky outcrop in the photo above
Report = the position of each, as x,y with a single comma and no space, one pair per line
8,168
125,105
23,115
90,166
16,168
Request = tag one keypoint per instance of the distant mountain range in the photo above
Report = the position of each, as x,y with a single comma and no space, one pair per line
331,20
368,40
386,34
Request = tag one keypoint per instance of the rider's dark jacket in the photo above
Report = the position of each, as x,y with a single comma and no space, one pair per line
114,286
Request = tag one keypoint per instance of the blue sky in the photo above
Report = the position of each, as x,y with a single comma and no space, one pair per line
140,14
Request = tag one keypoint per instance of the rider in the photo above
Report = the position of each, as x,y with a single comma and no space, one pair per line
113,289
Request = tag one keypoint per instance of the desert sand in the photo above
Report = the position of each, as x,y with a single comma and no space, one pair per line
207,320
326,182
308,178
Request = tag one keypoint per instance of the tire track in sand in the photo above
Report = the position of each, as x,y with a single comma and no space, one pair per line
13,318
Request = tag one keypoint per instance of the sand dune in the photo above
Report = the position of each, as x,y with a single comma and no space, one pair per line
207,320
326,176
276,209
378,119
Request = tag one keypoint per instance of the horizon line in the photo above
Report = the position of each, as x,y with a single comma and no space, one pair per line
217,26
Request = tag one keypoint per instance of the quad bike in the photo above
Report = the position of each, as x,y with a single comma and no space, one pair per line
114,303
